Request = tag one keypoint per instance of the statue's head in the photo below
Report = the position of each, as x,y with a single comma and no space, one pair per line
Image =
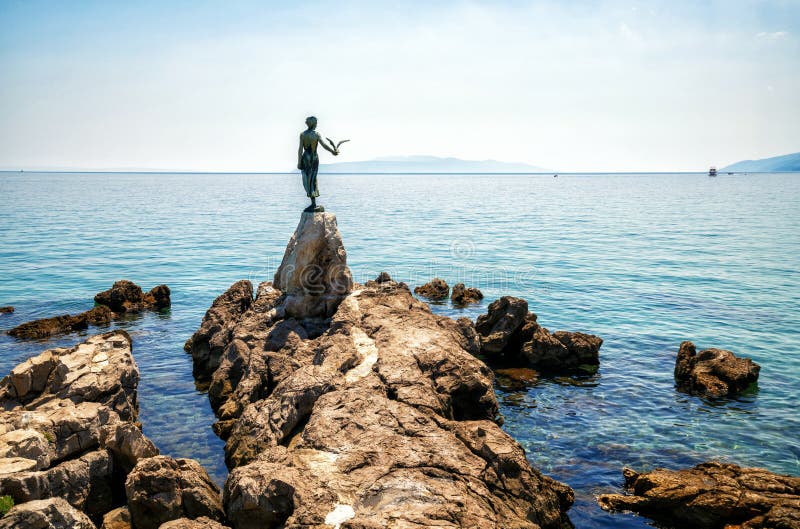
311,122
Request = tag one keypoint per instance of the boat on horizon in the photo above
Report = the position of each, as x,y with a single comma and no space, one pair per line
712,171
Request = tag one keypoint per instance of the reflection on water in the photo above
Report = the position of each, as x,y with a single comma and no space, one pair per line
642,261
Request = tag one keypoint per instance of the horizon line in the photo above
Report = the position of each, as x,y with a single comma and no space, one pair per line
555,173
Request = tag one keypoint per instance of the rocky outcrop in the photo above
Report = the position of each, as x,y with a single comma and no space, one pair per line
127,297
713,372
67,428
512,336
436,289
313,275
377,416
216,331
122,298
462,295
160,489
52,513
45,327
8,309
711,496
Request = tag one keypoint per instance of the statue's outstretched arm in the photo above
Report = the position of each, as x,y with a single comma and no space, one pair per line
332,149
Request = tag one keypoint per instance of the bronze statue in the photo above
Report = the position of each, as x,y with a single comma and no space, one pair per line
308,160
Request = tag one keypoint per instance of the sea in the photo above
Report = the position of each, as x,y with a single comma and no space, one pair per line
644,261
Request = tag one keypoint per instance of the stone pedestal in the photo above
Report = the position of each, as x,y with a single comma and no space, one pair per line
314,274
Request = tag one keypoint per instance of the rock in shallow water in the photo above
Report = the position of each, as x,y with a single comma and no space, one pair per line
713,372
463,296
512,336
710,496
436,289
127,297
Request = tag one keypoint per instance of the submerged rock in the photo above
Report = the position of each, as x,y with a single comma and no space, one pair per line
160,489
436,289
314,275
7,309
710,496
377,416
713,372
52,513
512,336
463,296
62,324
127,297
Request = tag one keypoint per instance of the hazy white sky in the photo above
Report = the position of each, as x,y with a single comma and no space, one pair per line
580,85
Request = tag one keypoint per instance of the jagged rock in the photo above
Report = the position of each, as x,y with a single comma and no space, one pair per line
209,342
66,425
496,327
710,496
119,518
314,274
713,372
127,297
436,289
28,444
160,489
52,513
7,309
186,523
101,370
462,295
378,416
62,324
383,277
127,443
512,336
85,482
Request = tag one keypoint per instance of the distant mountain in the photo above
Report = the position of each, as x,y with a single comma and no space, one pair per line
428,164
787,162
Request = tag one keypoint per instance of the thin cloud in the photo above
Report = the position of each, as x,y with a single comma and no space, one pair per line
772,35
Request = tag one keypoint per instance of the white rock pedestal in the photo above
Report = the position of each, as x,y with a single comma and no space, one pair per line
314,274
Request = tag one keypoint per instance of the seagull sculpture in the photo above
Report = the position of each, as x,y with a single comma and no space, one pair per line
335,145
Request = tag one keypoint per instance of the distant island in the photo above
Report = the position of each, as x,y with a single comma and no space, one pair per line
785,163
429,164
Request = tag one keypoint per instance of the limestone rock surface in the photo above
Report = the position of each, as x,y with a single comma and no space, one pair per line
119,518
160,489
67,428
435,289
216,331
713,372
377,415
313,274
711,496
52,513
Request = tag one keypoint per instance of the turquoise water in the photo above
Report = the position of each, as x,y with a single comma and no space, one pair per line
644,261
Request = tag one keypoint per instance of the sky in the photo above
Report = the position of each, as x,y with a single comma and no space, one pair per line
584,85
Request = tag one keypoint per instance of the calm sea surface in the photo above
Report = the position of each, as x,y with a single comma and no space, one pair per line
644,261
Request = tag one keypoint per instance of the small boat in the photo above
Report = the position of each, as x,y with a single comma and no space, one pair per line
555,176
712,171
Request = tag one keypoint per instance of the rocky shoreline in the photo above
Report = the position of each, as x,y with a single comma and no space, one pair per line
342,406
